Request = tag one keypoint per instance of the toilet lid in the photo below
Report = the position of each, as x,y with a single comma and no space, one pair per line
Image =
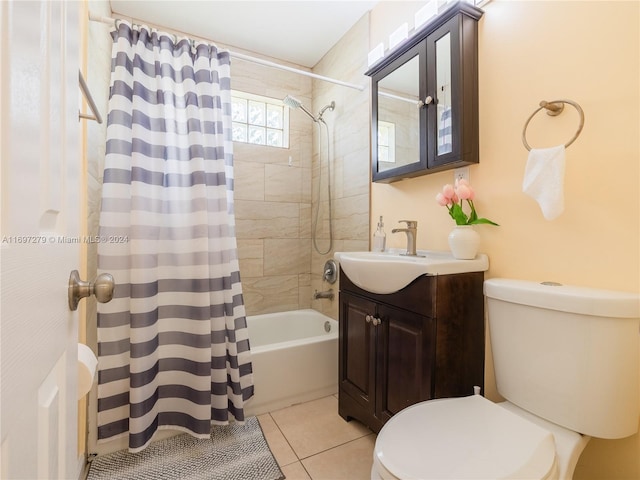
467,437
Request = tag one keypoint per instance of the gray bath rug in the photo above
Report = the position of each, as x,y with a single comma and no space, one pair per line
233,452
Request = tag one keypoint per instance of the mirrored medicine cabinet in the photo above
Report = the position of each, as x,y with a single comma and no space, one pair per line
425,99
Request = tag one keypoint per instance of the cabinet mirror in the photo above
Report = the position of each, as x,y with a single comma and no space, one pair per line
399,117
443,94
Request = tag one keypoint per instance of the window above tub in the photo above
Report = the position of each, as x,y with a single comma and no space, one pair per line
259,120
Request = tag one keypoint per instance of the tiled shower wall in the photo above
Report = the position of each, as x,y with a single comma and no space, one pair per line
273,199
275,202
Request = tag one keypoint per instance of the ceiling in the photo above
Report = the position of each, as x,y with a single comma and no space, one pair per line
299,31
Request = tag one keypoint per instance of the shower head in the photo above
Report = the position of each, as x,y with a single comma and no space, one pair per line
293,102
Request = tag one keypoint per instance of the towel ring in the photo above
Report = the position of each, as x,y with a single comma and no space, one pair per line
554,108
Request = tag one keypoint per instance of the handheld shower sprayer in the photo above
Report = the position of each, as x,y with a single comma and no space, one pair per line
293,102
331,106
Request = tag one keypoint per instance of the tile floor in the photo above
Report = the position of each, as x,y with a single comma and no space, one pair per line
311,441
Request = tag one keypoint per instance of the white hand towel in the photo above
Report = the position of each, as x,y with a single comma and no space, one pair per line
544,179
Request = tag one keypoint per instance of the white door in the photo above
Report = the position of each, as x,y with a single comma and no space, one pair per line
40,175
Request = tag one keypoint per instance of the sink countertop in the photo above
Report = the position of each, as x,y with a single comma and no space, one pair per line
389,271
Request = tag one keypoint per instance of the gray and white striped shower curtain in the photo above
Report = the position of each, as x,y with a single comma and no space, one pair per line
173,343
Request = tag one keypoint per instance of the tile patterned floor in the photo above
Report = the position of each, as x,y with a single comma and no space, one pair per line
311,441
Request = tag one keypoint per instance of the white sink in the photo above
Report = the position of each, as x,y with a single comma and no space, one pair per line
388,272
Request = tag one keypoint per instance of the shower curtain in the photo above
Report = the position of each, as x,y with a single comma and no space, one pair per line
173,343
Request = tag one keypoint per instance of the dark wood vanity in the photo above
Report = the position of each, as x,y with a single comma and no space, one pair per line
425,99
425,341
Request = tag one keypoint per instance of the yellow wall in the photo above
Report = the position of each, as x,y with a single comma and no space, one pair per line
531,51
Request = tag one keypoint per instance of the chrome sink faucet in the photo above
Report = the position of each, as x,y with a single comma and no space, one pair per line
412,233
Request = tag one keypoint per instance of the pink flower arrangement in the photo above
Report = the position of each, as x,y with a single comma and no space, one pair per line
453,197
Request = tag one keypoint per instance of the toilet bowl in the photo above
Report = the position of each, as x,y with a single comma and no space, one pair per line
566,361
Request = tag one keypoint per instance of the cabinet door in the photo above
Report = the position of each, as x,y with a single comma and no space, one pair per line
405,360
443,79
452,82
357,350
398,122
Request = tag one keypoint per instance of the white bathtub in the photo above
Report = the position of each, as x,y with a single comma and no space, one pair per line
294,359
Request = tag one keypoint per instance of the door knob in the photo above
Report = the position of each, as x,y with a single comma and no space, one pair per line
102,287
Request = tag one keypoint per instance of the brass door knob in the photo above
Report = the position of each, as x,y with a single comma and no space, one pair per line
102,287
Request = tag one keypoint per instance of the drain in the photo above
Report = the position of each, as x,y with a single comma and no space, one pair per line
327,326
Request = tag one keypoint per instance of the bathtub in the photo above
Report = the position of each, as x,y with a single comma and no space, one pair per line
294,359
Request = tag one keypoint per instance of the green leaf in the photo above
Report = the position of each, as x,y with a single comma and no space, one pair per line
458,215
483,220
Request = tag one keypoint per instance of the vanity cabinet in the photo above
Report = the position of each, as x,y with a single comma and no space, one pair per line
425,341
425,99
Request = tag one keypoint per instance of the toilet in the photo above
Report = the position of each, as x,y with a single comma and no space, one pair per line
565,360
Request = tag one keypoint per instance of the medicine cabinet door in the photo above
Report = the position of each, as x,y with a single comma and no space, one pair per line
398,136
452,115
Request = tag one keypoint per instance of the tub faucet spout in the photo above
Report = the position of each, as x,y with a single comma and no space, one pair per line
326,294
412,233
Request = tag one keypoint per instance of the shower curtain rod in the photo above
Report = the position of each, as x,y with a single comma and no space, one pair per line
241,56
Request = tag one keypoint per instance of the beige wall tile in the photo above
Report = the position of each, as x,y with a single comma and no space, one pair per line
357,245
304,279
266,219
286,256
248,178
260,154
304,296
269,294
305,221
251,257
283,183
352,217
354,175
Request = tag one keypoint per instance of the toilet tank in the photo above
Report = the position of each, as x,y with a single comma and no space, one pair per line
570,355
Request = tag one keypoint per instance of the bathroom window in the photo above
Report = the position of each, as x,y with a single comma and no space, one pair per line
386,142
259,120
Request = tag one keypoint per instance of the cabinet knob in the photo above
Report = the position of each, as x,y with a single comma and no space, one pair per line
376,321
368,318
427,101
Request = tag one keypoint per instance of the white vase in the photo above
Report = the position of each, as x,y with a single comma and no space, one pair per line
464,242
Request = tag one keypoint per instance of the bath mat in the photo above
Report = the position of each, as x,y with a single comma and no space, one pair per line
233,452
